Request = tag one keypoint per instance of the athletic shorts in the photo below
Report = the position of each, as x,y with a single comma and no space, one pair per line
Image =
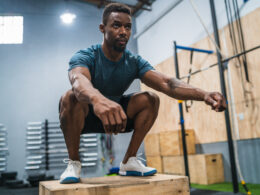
94,125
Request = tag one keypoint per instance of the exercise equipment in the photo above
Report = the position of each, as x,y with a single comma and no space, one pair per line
46,149
3,148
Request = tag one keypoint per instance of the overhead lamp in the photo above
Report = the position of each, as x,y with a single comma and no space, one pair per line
67,18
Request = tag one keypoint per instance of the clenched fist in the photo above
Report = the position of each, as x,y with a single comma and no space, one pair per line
216,100
111,114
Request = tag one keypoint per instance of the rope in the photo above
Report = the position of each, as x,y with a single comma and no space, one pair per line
233,130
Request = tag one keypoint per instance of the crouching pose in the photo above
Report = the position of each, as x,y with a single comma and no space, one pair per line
99,76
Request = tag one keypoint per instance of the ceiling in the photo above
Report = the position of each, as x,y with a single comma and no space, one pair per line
136,5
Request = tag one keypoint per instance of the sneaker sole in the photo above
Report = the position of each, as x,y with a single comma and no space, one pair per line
69,180
136,173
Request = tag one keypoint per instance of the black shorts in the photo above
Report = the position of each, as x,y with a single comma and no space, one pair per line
94,125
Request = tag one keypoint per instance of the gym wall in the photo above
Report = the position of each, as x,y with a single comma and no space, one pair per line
209,126
180,24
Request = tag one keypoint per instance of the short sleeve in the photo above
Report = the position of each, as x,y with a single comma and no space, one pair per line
143,66
83,58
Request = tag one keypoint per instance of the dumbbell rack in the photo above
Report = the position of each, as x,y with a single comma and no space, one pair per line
46,149
3,148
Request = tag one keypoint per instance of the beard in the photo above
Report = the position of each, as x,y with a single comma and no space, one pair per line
119,47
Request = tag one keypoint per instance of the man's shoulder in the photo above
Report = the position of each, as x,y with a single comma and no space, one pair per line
131,56
90,51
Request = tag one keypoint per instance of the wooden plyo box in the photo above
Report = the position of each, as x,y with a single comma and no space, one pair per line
155,162
118,185
206,169
174,165
171,142
151,145
203,168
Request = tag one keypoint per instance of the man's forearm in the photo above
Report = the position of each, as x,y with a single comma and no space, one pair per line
84,90
183,91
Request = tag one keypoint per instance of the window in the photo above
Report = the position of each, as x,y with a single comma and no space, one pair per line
11,29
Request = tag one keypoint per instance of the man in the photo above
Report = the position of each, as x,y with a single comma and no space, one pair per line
99,76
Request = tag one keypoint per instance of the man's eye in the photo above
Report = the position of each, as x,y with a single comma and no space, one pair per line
128,27
116,25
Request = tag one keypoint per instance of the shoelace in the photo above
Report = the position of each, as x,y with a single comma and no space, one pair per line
70,162
67,161
139,158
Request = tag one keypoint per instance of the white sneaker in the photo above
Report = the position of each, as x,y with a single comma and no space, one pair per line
71,173
135,167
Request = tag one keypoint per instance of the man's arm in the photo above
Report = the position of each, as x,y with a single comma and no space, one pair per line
179,90
110,113
82,87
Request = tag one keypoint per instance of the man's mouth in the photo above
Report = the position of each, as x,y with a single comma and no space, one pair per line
122,41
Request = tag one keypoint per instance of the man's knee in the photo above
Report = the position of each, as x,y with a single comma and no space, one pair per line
68,101
151,99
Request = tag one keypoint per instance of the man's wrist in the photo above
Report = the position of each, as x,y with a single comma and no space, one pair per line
202,95
94,99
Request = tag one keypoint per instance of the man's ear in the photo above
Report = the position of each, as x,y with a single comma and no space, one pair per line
102,28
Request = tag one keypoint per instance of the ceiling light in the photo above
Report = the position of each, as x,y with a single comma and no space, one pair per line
67,18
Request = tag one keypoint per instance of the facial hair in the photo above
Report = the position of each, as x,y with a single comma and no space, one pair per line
118,48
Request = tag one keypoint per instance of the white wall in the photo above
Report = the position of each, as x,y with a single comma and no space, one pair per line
180,24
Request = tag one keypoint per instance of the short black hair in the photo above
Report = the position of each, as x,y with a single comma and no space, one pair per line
114,7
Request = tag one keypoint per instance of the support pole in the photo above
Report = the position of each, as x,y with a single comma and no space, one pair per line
46,128
223,90
185,156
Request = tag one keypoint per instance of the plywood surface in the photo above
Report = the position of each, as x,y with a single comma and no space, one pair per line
171,142
151,144
210,126
158,184
203,168
155,162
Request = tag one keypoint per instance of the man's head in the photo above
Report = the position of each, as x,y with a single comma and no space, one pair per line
116,26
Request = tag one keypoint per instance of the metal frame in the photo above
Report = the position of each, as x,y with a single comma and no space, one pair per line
176,47
223,90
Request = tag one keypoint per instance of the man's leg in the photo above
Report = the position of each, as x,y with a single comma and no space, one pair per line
143,108
72,119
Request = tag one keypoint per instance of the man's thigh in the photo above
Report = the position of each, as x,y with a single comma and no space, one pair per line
94,125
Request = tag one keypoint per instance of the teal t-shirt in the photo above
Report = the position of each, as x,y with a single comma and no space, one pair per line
111,78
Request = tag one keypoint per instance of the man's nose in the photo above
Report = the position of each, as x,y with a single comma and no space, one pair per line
122,30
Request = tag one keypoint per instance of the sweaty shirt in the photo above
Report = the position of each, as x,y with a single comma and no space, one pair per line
111,78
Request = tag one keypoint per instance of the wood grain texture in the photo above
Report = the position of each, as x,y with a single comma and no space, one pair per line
203,168
155,162
210,126
171,142
151,144
117,185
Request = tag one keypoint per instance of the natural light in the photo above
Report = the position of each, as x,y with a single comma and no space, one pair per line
11,29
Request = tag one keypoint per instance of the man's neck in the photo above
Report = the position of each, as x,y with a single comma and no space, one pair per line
110,53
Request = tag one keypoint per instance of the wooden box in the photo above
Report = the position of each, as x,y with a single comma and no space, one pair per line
118,185
203,168
151,145
206,168
174,165
171,143
155,162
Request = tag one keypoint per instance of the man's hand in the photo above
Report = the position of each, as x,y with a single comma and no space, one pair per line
216,101
111,114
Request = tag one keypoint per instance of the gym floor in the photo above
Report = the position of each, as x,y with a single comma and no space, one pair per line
34,191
